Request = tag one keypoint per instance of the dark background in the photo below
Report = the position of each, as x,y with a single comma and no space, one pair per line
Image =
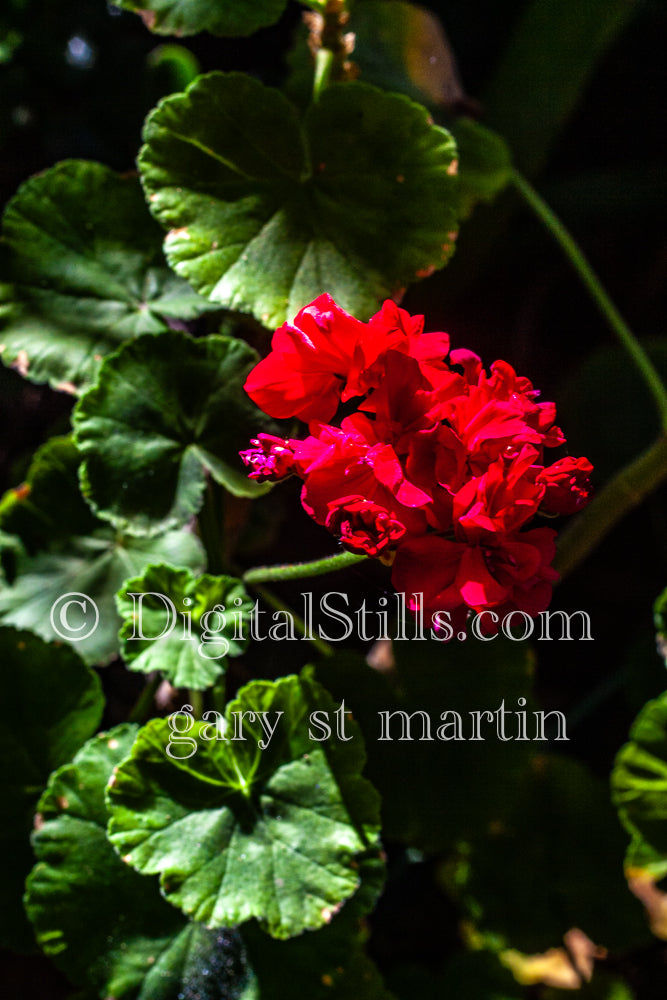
508,293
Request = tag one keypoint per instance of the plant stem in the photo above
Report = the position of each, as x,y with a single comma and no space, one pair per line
627,489
297,571
599,295
144,702
218,696
274,602
210,532
330,44
196,699
324,61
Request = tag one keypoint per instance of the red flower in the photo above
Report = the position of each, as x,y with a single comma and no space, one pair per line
441,461
514,574
402,402
337,463
363,526
568,487
327,355
305,372
270,459
511,573
498,414
499,501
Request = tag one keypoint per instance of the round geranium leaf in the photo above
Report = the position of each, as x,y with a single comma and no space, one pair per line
247,816
103,923
48,508
83,272
88,571
182,625
203,963
166,411
359,200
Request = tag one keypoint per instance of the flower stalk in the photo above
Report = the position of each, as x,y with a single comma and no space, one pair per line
299,571
330,45
589,278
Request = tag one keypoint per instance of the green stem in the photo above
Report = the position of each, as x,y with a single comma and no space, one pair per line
196,699
600,297
627,489
324,61
274,602
144,702
219,696
210,532
297,571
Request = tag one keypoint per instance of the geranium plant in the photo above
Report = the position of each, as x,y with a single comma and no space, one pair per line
276,581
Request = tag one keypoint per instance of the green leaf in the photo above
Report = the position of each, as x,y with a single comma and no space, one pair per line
48,507
166,410
555,863
330,963
201,962
189,624
399,47
57,559
238,831
173,67
402,47
92,569
84,272
54,703
102,923
327,964
108,927
264,213
639,787
189,17
485,164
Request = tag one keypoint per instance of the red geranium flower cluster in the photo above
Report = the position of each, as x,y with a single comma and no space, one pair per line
439,469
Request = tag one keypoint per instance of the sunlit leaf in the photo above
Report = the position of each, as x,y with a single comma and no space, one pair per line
83,271
265,213
102,923
639,785
165,412
236,829
190,624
